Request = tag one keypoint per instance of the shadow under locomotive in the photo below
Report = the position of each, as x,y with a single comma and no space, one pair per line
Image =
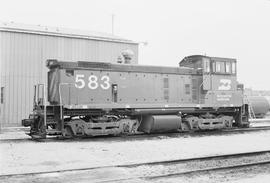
95,99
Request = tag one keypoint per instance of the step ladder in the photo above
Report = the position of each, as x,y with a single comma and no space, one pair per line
251,112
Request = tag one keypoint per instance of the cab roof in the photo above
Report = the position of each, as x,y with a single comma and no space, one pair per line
194,58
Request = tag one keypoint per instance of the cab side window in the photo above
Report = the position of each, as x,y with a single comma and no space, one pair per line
233,67
228,67
220,67
223,67
214,66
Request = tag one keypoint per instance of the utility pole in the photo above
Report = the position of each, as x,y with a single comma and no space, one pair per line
113,24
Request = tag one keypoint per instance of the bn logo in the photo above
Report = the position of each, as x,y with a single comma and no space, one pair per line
225,84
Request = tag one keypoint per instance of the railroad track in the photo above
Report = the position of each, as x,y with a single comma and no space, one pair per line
146,136
190,172
207,170
150,171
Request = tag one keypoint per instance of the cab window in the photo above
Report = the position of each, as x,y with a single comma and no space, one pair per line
220,67
233,67
228,67
214,66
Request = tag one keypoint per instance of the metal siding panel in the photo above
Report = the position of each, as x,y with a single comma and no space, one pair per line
34,55
77,49
84,51
23,106
17,100
93,49
11,80
27,85
67,49
3,78
27,70
9,98
30,89
80,51
103,52
60,43
18,76
1,82
74,53
5,100
4,46
31,67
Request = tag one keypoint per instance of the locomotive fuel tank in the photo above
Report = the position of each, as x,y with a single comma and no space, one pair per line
160,123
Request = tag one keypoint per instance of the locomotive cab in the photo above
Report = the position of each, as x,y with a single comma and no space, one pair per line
216,79
217,84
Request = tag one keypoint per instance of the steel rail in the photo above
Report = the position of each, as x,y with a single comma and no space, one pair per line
196,171
186,173
222,156
243,165
166,162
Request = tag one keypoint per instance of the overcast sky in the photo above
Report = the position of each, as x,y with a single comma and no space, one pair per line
173,28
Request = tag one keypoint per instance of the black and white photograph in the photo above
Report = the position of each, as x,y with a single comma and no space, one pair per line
134,91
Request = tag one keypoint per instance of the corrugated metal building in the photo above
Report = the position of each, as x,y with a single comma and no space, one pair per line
24,50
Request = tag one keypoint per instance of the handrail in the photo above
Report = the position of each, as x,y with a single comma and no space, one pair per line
35,97
38,97
60,98
37,91
45,106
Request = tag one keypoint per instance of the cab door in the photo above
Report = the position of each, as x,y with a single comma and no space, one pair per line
207,84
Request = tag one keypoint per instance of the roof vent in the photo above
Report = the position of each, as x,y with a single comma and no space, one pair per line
128,55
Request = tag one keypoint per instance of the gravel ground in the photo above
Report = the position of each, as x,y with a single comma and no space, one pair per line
251,174
256,174
172,168
28,156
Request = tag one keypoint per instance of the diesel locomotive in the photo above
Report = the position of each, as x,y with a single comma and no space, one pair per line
96,98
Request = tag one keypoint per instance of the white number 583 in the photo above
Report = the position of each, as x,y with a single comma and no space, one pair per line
92,82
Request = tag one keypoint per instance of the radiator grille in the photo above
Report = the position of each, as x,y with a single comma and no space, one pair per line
194,89
166,88
187,89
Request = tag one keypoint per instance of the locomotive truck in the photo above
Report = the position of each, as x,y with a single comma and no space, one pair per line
98,98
